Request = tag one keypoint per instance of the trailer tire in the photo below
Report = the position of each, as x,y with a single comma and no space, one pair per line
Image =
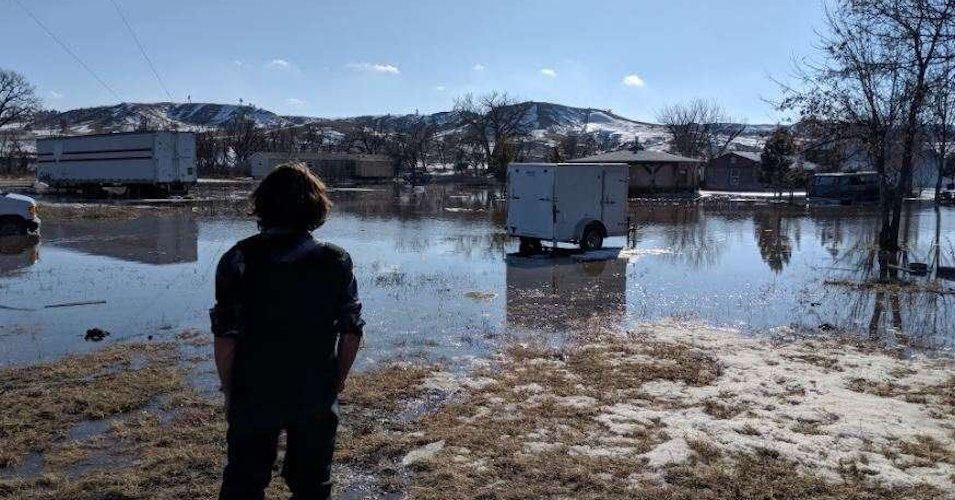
530,246
593,238
12,225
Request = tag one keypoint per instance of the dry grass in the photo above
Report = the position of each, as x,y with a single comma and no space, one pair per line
595,420
161,439
545,427
40,404
372,433
941,394
764,474
68,211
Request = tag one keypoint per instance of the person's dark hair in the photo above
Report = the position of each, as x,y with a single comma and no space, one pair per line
292,197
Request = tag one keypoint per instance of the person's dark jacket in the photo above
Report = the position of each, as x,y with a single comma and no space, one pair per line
285,298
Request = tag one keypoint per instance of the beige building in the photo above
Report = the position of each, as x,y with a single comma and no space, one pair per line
654,171
331,166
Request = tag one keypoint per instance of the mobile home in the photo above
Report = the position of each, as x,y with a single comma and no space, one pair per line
147,162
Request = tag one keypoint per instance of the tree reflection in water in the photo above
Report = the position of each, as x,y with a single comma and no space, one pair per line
686,232
775,230
892,304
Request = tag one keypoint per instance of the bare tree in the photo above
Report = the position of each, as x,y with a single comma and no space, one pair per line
412,146
700,128
942,124
576,144
366,135
924,32
873,86
243,137
18,99
211,152
497,125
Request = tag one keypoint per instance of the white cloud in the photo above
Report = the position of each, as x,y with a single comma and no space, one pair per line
479,67
549,73
294,102
439,88
238,63
633,80
279,64
55,95
387,69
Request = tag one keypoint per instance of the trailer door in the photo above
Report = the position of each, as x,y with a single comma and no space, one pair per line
530,204
186,157
616,183
579,189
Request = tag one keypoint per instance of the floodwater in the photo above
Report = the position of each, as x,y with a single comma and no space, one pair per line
438,278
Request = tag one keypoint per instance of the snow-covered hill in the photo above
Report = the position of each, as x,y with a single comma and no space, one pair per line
546,120
125,117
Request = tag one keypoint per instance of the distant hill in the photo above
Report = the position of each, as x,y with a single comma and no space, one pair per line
547,120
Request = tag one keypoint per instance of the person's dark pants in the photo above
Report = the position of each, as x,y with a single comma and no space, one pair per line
253,440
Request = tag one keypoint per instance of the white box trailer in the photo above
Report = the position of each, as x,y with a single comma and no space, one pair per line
580,203
144,162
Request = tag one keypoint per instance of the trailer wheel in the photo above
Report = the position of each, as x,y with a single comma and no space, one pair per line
12,225
530,246
593,238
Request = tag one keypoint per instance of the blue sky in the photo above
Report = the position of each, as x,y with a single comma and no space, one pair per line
338,58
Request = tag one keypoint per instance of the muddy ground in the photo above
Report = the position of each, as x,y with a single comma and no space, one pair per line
663,411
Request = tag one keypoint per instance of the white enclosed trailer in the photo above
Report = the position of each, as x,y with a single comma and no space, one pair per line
144,162
580,203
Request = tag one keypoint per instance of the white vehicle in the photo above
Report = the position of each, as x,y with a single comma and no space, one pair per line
580,203
18,214
145,163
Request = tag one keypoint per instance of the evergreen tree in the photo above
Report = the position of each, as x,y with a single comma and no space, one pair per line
776,158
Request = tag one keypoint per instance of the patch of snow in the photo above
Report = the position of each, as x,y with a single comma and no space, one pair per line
423,454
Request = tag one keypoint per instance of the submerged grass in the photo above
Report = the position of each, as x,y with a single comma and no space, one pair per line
933,287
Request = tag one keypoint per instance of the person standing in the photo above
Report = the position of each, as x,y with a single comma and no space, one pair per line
287,325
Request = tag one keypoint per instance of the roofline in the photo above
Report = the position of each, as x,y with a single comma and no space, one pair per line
48,137
677,159
567,163
844,174
317,154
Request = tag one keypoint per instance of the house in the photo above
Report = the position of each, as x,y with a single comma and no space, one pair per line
739,171
734,171
331,166
654,171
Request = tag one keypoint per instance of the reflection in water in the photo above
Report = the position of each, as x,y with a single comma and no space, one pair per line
434,273
687,235
18,252
149,239
774,236
558,293
882,297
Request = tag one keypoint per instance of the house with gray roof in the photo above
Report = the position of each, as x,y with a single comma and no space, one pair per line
654,171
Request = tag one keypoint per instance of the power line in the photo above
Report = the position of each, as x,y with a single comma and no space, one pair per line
67,49
142,49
